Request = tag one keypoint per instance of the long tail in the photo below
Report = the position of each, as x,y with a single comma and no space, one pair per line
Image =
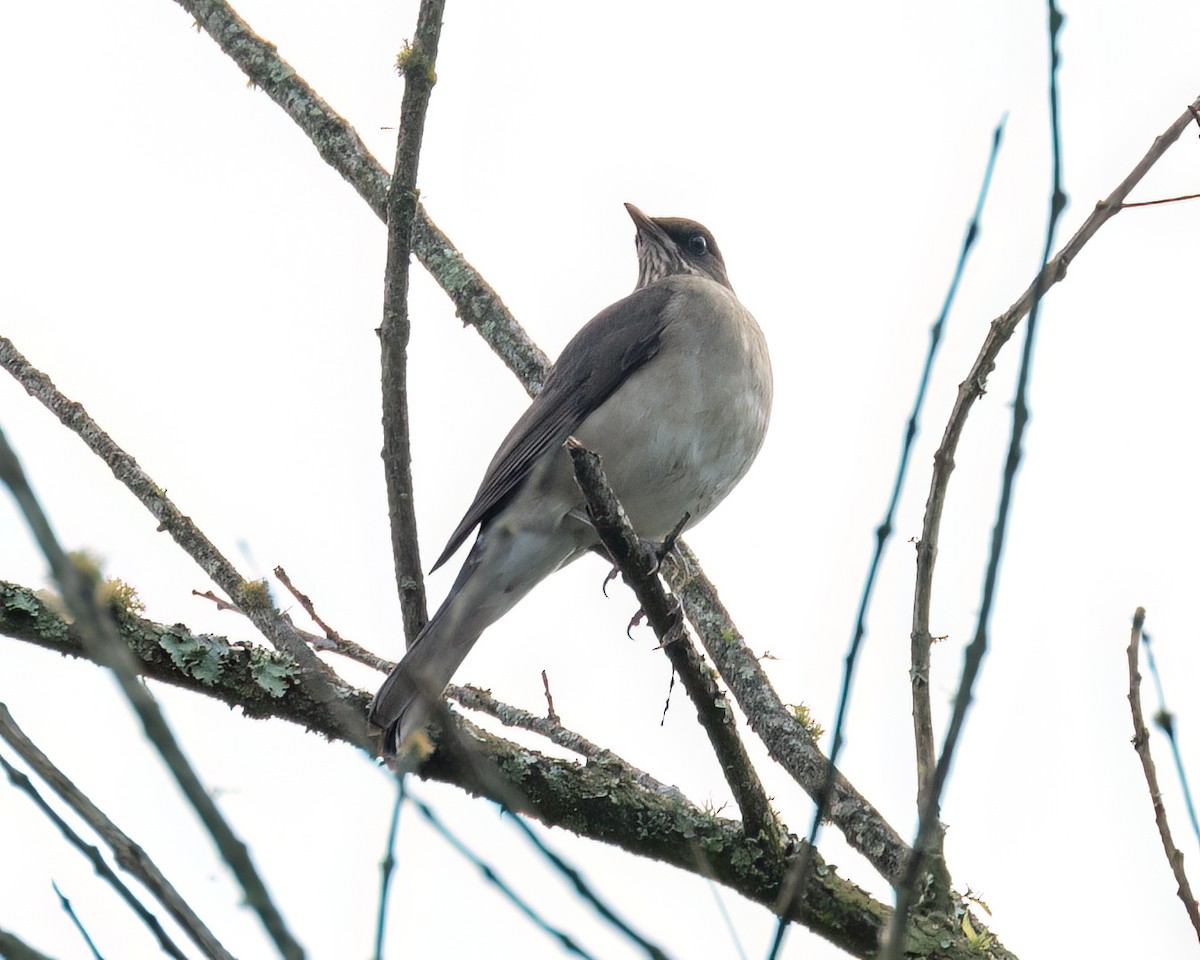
503,565
411,692
409,695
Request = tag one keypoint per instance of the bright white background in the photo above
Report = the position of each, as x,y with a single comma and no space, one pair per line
177,257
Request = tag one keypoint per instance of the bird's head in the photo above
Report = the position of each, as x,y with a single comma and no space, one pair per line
669,246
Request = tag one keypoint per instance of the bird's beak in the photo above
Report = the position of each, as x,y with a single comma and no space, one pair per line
639,218
646,226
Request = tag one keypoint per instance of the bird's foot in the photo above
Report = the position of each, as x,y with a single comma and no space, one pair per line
660,551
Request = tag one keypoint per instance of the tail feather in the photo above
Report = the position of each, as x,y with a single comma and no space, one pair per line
409,696
505,563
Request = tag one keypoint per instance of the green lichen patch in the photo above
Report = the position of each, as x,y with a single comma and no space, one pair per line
201,656
272,671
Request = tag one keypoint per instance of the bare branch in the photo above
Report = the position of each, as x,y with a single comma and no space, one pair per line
69,910
550,711
339,145
387,868
252,599
1141,743
418,64
260,681
1155,203
970,390
712,709
332,641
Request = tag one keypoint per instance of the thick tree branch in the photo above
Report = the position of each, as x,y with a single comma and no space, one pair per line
1141,743
260,681
418,64
597,800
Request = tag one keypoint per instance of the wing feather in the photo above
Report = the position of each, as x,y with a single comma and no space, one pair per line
597,360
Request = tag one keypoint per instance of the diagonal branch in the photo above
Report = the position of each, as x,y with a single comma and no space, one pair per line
1141,743
712,710
252,599
340,146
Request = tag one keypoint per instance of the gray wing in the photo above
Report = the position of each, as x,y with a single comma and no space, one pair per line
597,360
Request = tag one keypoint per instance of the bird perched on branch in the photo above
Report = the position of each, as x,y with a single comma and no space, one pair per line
671,386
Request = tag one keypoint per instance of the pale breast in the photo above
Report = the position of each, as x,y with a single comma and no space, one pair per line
683,430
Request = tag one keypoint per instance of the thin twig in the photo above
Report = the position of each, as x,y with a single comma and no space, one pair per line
333,641
550,712
1155,203
128,854
99,634
585,893
492,876
387,867
1164,719
251,598
220,603
884,531
475,699
305,601
1141,743
76,922
712,709
103,870
926,750
418,63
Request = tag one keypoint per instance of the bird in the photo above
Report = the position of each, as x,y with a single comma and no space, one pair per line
671,385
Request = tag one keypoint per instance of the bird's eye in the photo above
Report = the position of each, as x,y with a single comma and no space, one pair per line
697,245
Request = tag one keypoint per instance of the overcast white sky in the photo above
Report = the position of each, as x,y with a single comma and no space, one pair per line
178,258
